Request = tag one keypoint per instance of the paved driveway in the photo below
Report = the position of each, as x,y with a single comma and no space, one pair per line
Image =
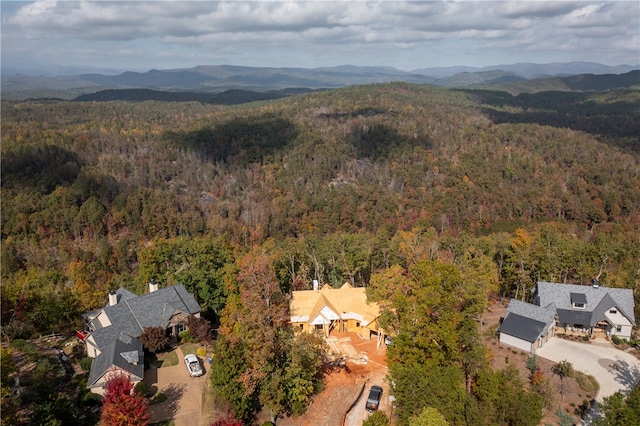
613,369
184,402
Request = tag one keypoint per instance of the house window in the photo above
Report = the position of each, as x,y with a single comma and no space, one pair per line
318,326
619,328
578,300
180,327
613,311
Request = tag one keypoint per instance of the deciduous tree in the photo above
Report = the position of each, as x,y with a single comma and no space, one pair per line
154,339
123,405
428,417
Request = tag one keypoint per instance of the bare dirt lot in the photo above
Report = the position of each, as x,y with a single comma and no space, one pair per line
343,385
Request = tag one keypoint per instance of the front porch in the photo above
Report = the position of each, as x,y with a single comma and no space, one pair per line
597,333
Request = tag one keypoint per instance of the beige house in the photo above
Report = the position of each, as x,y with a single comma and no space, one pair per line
343,309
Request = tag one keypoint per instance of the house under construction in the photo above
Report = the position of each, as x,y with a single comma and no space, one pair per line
343,309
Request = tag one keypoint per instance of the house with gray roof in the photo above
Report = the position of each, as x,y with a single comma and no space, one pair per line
592,310
111,333
527,326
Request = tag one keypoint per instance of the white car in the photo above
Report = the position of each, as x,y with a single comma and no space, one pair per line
193,365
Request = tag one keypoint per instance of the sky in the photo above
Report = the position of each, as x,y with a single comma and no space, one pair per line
48,35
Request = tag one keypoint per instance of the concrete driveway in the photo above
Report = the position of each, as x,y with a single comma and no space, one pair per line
613,369
184,402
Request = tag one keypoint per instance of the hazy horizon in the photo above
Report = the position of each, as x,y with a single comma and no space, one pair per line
50,35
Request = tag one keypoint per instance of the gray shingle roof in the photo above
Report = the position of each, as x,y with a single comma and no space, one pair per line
538,313
156,309
119,353
122,321
522,327
124,294
569,316
527,321
599,300
128,319
133,313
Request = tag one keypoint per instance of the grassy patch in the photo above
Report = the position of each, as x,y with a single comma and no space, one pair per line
189,348
586,382
167,359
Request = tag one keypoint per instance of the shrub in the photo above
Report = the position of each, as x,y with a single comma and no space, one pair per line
28,349
18,330
158,398
185,336
201,352
532,363
584,408
90,398
586,338
616,340
229,420
85,363
142,388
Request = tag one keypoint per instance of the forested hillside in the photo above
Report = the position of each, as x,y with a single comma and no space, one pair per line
368,184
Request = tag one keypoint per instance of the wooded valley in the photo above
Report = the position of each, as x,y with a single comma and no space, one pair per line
442,195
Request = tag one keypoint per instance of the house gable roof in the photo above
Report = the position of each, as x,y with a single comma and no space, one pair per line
156,309
522,327
527,321
535,312
133,313
319,309
598,301
124,353
347,302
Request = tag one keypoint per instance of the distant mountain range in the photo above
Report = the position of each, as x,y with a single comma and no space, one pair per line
221,78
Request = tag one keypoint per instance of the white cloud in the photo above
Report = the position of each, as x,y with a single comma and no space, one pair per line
193,29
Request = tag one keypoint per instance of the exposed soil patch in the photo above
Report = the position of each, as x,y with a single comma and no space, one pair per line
343,384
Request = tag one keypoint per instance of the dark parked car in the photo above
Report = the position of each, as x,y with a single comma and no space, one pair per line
373,401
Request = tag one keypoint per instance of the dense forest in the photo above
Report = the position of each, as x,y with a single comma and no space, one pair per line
444,196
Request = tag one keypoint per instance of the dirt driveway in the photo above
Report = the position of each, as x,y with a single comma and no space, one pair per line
342,385
359,414
184,402
613,369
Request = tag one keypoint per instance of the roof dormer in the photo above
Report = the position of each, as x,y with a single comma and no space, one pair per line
578,300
